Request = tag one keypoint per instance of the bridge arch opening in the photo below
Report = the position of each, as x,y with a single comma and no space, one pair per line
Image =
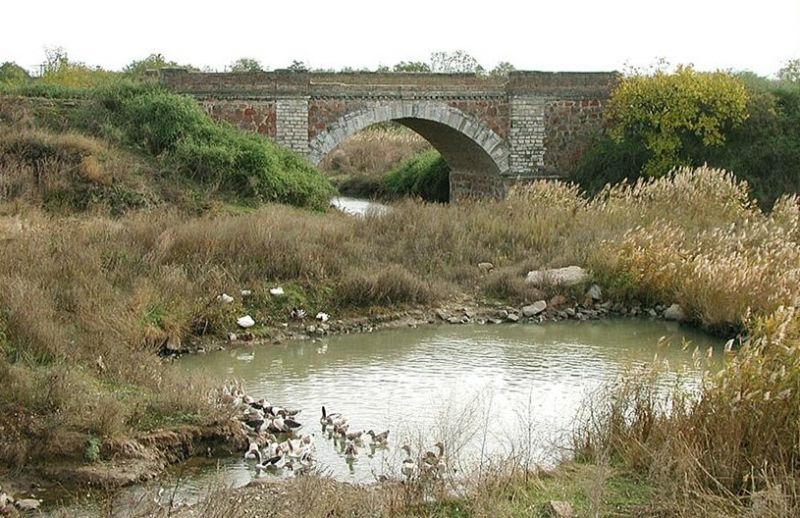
476,155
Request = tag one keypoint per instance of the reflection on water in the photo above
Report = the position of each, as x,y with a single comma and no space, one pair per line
484,390
357,206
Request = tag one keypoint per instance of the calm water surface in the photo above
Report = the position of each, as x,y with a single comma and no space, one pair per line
484,390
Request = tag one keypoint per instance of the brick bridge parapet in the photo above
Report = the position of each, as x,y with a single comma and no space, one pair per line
491,130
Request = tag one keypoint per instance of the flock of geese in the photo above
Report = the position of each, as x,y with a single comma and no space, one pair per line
278,444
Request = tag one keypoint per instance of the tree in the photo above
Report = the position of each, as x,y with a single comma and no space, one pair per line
13,74
502,69
790,72
246,65
298,66
59,70
412,66
666,112
458,61
138,68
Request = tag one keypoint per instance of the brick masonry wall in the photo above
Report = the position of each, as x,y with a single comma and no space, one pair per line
569,124
258,116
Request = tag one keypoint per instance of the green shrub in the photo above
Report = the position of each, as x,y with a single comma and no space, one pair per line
666,112
427,175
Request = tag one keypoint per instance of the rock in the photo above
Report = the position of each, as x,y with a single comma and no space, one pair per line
595,292
675,312
502,313
276,292
322,317
557,301
245,322
454,320
512,317
558,509
568,276
232,337
441,314
496,320
173,344
311,329
570,312
28,504
534,309
486,267
652,312
246,293
225,298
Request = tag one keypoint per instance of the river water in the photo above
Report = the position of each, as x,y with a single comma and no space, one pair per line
485,391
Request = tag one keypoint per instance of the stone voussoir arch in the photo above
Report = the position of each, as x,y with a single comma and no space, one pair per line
453,121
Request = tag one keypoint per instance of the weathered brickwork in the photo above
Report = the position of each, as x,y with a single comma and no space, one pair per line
492,131
258,116
569,124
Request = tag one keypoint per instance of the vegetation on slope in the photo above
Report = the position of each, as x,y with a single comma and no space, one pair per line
156,138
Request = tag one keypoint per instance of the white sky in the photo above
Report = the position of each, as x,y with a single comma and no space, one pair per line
757,35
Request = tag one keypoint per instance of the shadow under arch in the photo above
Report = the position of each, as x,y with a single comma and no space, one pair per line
477,156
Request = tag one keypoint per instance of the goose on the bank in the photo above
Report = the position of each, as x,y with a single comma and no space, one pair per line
432,457
408,466
253,453
379,438
270,463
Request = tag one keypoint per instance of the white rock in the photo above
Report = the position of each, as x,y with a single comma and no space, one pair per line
512,317
675,312
568,276
595,292
225,298
246,293
276,292
559,509
534,309
486,267
322,317
246,321
232,337
28,504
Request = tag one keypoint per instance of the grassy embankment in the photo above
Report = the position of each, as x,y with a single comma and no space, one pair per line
89,298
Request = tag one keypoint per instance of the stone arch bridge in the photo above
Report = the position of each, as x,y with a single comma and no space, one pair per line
491,131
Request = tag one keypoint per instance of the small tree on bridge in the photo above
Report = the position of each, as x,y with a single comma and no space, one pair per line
246,65
458,61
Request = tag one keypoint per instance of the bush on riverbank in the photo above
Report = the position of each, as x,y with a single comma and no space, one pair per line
764,149
426,176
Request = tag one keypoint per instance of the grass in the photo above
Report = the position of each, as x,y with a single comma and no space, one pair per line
160,147
426,175
359,165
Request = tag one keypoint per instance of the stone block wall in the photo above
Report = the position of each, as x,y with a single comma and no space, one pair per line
526,135
291,129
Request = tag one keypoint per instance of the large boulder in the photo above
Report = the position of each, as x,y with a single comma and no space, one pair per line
534,309
675,312
567,276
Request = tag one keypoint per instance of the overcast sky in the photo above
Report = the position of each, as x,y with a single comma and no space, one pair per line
534,34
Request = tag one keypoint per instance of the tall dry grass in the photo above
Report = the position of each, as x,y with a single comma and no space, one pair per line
80,289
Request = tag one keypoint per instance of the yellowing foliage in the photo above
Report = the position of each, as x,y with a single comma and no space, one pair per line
665,109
